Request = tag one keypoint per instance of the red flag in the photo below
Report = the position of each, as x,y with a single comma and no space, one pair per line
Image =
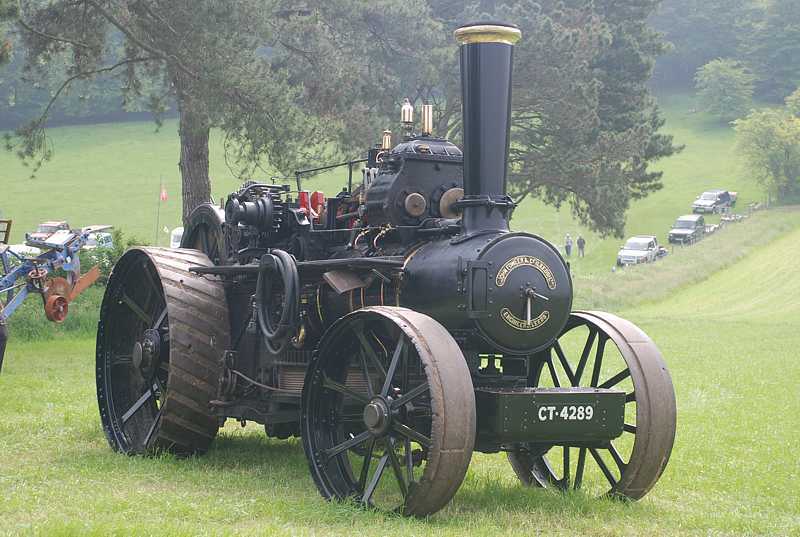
163,196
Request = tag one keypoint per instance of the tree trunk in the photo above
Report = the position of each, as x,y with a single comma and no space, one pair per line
193,129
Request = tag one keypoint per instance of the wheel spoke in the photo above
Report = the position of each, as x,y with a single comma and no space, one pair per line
149,437
621,464
154,287
160,320
204,241
158,387
630,397
370,351
376,477
347,444
137,405
398,351
580,467
628,428
587,350
350,418
410,395
404,375
598,360
362,480
409,460
410,433
616,379
331,384
553,372
365,369
565,363
603,466
121,359
135,308
566,467
396,468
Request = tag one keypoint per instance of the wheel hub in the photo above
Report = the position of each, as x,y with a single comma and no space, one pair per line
377,416
146,351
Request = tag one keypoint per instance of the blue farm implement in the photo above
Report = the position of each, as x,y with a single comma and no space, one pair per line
23,275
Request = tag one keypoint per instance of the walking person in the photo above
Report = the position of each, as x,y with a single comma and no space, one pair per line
568,245
581,245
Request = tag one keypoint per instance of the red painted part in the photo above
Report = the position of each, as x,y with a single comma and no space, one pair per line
304,201
318,203
56,308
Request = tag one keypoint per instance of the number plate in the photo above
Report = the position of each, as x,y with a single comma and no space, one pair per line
566,413
550,415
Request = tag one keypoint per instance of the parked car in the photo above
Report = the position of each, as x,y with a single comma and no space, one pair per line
99,240
23,250
640,249
714,201
687,229
46,229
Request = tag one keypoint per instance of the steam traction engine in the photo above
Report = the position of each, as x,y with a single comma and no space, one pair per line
396,327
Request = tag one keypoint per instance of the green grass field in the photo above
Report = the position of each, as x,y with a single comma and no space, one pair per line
730,343
724,313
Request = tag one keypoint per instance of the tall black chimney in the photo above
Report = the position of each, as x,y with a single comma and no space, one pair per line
486,62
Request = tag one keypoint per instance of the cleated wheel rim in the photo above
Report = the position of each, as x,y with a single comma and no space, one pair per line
402,444
601,350
160,338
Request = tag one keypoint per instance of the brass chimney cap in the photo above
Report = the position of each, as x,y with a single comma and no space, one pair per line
488,33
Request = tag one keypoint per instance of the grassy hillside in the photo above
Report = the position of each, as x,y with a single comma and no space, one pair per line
730,343
110,174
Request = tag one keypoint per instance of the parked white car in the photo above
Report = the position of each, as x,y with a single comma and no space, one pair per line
24,250
175,237
99,240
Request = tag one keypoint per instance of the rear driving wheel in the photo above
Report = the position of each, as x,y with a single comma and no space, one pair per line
601,350
205,233
160,339
388,414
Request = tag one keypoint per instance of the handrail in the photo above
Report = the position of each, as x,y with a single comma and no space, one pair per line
310,171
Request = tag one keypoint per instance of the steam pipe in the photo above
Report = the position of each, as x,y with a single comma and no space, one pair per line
486,51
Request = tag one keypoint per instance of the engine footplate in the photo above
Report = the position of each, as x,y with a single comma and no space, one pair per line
550,415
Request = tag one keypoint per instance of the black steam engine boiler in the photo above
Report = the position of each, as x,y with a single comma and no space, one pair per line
396,327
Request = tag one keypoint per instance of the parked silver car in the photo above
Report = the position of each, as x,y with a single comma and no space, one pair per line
640,249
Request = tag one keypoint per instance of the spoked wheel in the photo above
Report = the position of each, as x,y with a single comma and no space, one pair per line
388,414
161,335
601,350
204,232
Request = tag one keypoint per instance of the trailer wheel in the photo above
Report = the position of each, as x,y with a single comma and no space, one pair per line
388,415
601,350
160,339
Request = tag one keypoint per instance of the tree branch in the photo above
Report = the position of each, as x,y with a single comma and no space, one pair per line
158,54
50,37
83,74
